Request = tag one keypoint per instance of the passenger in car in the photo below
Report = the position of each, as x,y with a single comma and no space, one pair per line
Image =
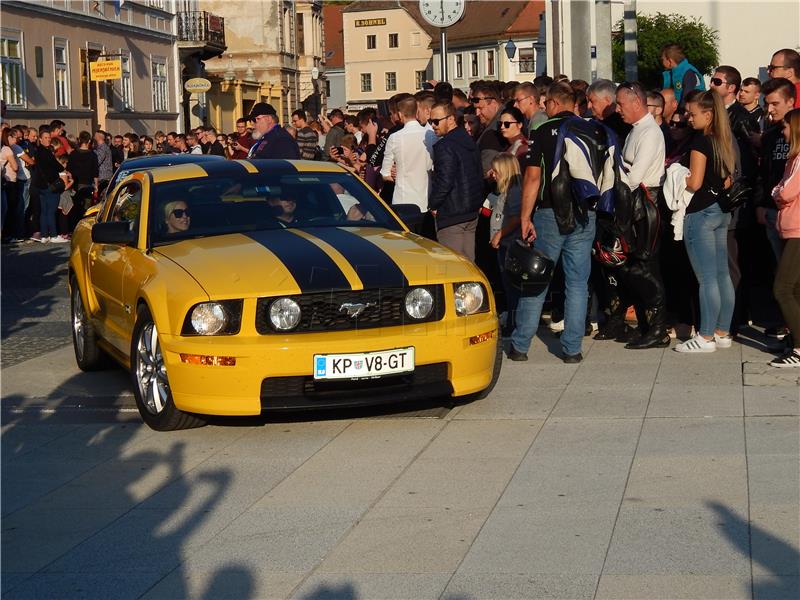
176,217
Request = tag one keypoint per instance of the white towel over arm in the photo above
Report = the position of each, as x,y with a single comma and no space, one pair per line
677,196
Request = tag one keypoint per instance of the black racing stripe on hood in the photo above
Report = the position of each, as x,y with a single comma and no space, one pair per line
311,267
374,266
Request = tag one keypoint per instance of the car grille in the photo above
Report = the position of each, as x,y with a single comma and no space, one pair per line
304,392
323,311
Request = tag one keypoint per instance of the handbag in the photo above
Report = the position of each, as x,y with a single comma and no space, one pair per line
735,196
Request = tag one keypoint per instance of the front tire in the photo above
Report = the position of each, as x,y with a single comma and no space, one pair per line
88,355
150,382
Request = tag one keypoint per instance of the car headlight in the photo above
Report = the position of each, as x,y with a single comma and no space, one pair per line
284,314
208,318
470,298
223,317
419,303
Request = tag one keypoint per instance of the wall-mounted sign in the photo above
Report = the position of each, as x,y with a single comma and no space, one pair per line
370,22
105,70
197,85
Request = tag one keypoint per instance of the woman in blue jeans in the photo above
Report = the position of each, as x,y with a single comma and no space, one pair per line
711,163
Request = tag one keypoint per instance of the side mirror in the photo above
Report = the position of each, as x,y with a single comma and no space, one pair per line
115,232
410,214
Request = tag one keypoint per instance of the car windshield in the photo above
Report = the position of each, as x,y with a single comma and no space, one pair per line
221,205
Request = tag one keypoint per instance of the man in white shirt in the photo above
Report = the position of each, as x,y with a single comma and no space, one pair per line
408,151
640,277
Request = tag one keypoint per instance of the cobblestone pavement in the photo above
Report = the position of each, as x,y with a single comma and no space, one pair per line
35,302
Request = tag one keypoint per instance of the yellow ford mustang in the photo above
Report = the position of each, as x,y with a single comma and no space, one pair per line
233,287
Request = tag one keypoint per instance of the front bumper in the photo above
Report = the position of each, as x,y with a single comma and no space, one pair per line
276,372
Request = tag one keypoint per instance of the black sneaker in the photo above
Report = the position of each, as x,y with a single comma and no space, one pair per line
572,359
788,360
776,332
514,354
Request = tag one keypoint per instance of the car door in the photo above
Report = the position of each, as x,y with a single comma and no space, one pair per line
108,264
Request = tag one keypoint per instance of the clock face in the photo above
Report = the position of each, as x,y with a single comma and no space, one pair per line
442,13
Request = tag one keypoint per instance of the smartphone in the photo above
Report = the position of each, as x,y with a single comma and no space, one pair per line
339,149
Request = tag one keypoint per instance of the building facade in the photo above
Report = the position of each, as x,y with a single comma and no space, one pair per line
334,80
749,32
477,45
386,51
274,54
47,48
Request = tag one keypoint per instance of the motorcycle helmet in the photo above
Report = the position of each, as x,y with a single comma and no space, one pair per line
611,252
529,270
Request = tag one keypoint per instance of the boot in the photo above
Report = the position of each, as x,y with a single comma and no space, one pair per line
656,336
614,324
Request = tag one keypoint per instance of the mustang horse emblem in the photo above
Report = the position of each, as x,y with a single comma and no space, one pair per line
354,309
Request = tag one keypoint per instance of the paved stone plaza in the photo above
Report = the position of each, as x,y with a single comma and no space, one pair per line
643,474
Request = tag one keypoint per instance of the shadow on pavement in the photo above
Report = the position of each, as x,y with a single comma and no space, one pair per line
91,511
780,558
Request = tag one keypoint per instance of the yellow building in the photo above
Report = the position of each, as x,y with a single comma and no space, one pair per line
274,54
386,51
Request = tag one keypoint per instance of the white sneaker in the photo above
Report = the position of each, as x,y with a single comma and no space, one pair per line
556,326
697,344
59,239
723,341
45,240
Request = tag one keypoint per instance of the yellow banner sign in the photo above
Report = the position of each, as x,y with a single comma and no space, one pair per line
103,70
370,22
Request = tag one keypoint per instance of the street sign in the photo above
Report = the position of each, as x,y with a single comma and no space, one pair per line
315,73
197,85
105,70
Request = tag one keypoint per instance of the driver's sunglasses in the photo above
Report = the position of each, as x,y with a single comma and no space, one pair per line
180,212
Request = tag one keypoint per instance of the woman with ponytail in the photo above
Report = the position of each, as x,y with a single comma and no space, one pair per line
712,162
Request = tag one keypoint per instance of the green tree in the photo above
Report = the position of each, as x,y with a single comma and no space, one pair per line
698,40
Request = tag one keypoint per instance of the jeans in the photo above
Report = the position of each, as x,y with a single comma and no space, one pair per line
706,236
575,250
49,202
24,200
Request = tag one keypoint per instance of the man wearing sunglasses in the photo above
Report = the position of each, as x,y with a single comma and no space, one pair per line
456,191
786,63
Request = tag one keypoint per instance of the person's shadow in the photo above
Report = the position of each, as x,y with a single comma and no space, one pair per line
120,531
779,557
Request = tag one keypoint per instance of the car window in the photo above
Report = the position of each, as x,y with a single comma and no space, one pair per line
127,204
250,202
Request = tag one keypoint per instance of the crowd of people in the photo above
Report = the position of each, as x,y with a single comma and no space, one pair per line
656,201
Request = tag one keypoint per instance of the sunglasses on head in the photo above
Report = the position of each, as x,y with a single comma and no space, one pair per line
508,124
180,212
718,81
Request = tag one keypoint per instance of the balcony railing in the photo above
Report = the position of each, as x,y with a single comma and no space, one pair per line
201,26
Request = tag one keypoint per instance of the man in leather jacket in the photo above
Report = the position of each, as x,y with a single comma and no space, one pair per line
456,190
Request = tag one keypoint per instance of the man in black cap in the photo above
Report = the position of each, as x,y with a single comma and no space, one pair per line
273,140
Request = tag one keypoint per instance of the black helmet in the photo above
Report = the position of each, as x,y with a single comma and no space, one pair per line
529,269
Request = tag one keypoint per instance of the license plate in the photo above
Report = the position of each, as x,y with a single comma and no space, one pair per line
364,365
